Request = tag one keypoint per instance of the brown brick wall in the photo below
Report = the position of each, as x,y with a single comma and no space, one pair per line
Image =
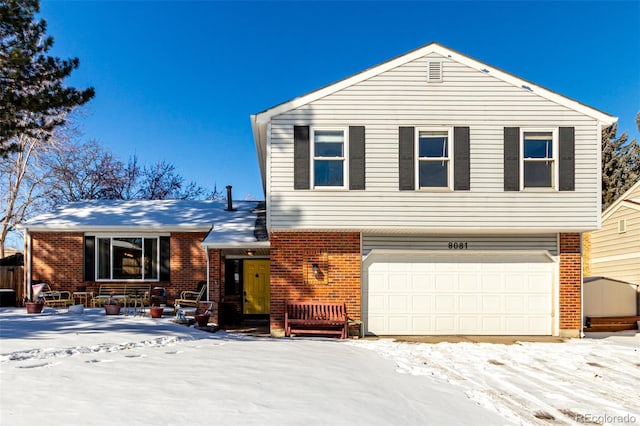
293,253
216,265
188,263
570,282
58,258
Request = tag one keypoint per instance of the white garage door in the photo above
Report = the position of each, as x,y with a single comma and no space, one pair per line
445,294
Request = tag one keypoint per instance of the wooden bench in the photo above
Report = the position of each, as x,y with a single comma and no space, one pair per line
124,293
316,318
610,324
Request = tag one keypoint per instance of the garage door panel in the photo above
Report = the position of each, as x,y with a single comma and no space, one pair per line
421,303
469,282
377,282
515,304
446,282
469,304
399,303
466,297
398,281
421,282
377,303
491,282
444,304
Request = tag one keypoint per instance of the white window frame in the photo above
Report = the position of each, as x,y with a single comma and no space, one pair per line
124,235
344,158
554,158
449,159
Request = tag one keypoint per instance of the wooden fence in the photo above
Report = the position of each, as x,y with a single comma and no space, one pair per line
13,277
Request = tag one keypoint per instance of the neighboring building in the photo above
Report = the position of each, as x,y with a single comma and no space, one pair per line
615,248
166,243
606,297
433,194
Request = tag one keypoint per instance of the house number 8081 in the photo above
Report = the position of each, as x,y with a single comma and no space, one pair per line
458,246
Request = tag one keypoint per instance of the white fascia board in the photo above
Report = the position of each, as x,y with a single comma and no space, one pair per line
265,116
116,229
442,231
259,137
241,245
616,204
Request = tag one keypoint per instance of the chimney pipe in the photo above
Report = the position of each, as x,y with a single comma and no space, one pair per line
229,200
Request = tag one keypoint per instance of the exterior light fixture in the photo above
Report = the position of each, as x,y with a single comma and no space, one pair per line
316,270
250,252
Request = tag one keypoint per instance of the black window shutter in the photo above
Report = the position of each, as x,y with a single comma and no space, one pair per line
89,258
165,259
567,165
356,158
461,172
301,161
511,158
406,166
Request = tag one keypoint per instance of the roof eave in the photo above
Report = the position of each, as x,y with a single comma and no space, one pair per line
115,228
232,244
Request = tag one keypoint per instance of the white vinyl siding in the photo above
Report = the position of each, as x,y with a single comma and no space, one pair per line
466,97
617,255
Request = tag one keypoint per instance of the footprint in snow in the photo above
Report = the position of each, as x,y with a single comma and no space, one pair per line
45,364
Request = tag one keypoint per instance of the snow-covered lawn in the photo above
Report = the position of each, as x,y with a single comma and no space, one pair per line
63,369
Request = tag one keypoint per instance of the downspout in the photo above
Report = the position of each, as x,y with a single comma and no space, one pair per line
27,279
206,253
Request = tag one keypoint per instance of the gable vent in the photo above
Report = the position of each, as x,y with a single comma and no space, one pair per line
434,71
622,226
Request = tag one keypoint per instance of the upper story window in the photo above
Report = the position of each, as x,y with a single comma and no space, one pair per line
538,159
434,160
329,155
127,258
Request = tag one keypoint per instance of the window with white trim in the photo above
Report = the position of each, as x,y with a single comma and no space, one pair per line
434,159
538,159
128,258
329,158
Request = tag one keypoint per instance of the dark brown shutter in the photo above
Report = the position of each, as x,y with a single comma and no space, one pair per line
89,258
356,158
567,165
511,158
461,172
165,259
301,161
406,164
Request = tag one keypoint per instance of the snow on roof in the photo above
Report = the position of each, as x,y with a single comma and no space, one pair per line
147,215
245,227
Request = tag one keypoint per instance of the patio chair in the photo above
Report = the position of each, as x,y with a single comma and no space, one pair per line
55,298
191,298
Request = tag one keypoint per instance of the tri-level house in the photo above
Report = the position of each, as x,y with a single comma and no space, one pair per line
434,194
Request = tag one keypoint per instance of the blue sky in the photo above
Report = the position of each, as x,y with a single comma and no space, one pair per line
178,80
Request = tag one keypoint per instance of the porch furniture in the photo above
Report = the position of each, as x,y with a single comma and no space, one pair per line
123,293
190,298
316,318
57,299
83,297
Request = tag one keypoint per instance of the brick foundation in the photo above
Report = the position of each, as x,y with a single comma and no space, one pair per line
292,257
570,285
